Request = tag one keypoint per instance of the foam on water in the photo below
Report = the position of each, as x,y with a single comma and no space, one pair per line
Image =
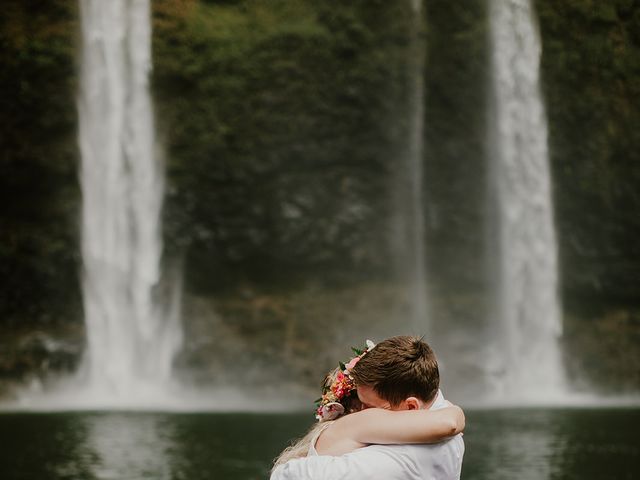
172,397
561,400
221,399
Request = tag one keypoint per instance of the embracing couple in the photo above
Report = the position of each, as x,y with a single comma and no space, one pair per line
382,416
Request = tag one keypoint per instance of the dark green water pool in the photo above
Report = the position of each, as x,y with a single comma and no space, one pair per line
584,444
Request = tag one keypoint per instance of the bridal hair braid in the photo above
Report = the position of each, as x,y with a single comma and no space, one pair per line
398,368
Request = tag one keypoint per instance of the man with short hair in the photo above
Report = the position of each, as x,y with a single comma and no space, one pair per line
396,369
400,373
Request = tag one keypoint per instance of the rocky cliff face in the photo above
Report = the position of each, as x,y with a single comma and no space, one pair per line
591,71
284,123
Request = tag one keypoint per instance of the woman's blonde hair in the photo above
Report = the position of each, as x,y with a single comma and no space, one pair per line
300,447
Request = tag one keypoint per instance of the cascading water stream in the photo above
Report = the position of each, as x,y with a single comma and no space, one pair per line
131,340
527,297
420,314
408,227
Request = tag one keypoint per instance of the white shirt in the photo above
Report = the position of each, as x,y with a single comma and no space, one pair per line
438,461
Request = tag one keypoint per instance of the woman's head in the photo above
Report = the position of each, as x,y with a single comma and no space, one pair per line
339,396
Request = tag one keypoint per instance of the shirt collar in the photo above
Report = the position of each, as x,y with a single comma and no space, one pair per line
438,402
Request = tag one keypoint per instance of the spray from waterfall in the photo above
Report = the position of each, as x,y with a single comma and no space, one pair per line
131,337
527,293
420,314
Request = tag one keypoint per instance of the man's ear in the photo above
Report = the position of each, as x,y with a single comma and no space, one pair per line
412,403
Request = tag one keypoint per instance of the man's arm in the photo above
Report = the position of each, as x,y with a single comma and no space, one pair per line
384,427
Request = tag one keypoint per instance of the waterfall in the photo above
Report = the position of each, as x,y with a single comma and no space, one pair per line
131,340
527,299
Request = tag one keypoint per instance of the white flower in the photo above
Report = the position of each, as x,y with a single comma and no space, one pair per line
331,411
370,345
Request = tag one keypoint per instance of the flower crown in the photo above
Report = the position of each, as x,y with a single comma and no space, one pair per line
339,386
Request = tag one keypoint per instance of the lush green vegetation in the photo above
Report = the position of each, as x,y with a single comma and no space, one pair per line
38,163
276,117
591,67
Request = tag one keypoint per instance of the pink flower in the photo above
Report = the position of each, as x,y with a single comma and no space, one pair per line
352,363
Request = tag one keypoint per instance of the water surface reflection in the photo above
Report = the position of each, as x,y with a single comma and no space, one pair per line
552,444
508,445
130,446
524,444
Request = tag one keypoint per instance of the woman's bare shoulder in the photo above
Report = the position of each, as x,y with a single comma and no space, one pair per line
337,439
